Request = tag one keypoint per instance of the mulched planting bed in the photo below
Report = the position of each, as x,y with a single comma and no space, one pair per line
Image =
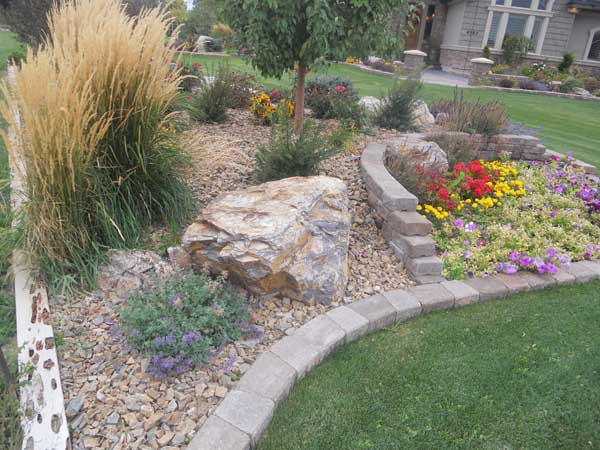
112,401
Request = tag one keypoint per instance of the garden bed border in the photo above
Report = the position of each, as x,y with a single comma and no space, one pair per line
546,93
244,414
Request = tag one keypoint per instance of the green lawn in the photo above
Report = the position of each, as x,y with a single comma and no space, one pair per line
8,45
564,124
521,373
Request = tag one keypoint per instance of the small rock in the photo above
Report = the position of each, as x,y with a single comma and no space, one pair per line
113,418
152,421
74,407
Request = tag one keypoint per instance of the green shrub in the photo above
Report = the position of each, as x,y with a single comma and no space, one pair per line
334,98
241,86
515,48
569,85
506,83
596,92
102,158
290,155
591,84
397,107
486,52
209,103
567,62
342,135
179,321
500,68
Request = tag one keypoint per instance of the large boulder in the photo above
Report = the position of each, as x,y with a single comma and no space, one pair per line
286,237
423,118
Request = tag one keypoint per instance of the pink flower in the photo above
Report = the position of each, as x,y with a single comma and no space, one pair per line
340,89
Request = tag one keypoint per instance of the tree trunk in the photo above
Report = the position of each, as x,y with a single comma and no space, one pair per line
8,378
299,106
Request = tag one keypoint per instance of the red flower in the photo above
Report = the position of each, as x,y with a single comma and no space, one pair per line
189,97
274,93
196,65
444,194
340,89
460,167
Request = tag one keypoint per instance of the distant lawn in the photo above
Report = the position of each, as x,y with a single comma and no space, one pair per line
564,124
8,45
521,373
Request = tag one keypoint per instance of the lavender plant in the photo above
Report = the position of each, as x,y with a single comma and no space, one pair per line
181,321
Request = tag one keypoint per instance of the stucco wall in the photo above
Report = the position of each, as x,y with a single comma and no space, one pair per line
452,31
584,22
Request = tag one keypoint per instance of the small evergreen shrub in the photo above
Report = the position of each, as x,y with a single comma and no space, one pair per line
209,104
569,85
515,48
567,61
397,107
486,53
290,155
181,320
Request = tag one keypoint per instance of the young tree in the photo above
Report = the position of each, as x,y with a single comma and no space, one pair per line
287,35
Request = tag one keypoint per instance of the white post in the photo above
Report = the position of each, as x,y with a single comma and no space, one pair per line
43,417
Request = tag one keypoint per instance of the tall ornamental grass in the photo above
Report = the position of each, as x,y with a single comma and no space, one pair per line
96,138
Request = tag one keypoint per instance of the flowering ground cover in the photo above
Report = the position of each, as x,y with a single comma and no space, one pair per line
512,374
502,217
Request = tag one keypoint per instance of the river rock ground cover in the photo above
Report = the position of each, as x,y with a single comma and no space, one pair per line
112,401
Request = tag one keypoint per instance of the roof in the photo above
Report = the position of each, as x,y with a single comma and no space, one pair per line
586,4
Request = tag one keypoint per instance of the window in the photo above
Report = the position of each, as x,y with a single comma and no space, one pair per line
491,41
594,52
528,18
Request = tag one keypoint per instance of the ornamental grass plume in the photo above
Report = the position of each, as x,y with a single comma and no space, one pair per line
95,134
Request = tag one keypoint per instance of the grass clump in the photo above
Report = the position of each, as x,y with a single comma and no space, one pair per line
100,153
291,155
397,109
472,117
180,321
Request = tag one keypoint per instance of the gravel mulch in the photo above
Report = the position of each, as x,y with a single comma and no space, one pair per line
111,402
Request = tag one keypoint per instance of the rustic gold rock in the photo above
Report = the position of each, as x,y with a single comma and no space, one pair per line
286,237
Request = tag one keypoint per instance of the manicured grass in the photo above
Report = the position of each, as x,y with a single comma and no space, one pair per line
521,373
8,45
564,124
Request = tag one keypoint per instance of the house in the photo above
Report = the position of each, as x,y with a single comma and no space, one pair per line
453,32
189,4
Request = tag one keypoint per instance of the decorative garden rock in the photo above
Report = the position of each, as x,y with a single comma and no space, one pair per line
286,237
370,103
423,118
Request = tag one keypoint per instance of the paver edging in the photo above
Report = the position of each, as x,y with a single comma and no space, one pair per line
222,432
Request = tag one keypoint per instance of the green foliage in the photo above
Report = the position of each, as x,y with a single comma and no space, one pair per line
11,434
397,107
515,48
486,52
7,317
569,85
291,155
181,320
209,103
596,92
28,18
500,68
200,19
334,98
458,148
567,62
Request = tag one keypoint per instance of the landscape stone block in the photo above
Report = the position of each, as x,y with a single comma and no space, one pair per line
594,266
410,223
536,280
427,265
353,324
415,246
323,333
563,277
406,304
377,310
268,377
246,411
516,282
219,434
299,353
433,296
488,287
581,272
463,293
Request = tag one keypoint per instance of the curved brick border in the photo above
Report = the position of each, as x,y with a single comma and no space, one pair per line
407,231
245,413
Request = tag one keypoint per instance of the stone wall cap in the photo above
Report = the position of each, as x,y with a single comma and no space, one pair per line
415,53
482,61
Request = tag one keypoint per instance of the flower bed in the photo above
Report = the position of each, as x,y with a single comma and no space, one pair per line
496,217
